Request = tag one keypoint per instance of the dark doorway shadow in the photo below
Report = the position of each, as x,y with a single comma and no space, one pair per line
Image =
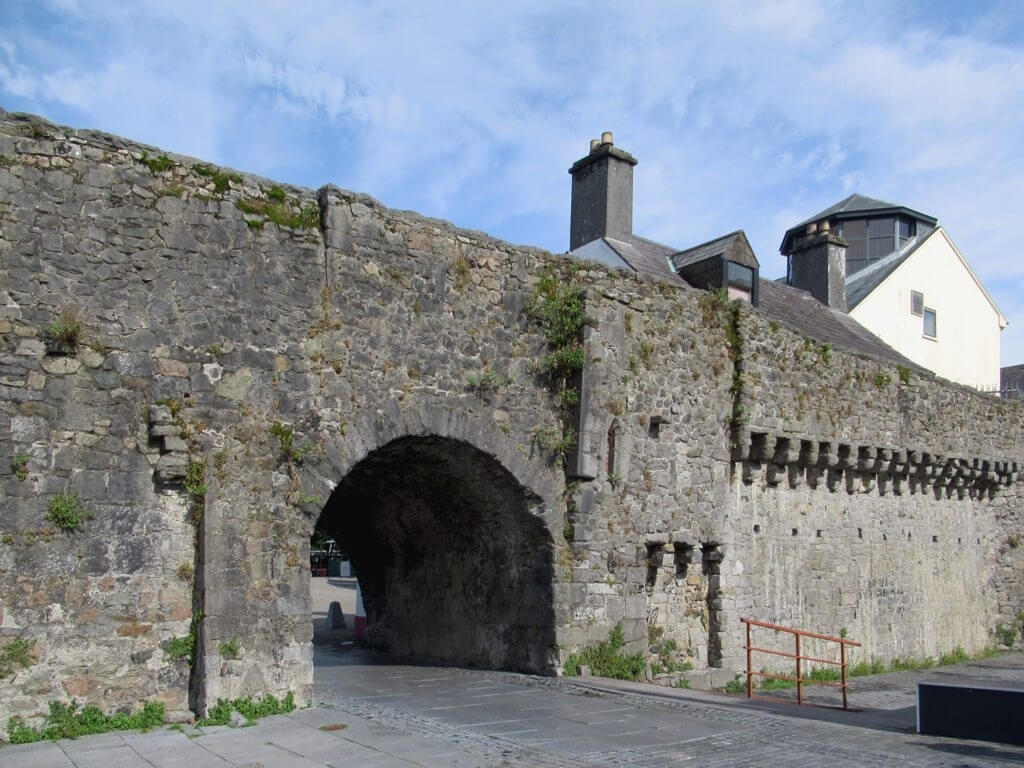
453,555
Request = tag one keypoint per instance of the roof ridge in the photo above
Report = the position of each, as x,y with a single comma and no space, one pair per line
734,233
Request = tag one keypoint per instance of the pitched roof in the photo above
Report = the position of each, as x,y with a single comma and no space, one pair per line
853,207
792,307
735,245
1012,377
864,281
646,256
801,312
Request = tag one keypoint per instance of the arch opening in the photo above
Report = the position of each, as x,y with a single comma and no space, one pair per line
453,555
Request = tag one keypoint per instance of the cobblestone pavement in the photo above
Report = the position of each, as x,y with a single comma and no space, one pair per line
380,713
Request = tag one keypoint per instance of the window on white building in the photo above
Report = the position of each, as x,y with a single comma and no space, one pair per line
930,323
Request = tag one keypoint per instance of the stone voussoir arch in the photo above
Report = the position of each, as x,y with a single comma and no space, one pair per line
390,420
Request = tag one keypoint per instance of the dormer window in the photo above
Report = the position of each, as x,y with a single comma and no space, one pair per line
726,264
739,280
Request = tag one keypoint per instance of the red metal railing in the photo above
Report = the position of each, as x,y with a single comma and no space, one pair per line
798,657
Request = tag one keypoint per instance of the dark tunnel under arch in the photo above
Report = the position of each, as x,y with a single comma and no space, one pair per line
453,555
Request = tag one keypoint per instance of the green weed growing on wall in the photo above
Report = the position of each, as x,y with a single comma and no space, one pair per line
220,713
291,451
16,655
64,333
606,659
221,181
281,211
19,465
66,721
157,164
66,511
557,306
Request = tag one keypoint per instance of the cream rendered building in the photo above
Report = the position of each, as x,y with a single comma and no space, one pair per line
900,275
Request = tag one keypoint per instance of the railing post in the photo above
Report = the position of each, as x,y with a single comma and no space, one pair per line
750,668
799,677
842,667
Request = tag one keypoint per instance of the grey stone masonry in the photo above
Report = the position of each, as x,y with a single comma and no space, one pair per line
197,365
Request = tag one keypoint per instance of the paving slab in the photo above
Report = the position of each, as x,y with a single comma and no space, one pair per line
39,755
399,714
248,744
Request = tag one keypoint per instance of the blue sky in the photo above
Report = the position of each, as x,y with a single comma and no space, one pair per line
742,114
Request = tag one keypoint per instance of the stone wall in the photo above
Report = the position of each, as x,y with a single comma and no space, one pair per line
255,357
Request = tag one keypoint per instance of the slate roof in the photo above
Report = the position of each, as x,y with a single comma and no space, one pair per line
792,307
863,282
1012,377
730,245
853,207
803,313
647,257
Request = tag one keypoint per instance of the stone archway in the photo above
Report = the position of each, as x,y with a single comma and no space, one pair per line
453,553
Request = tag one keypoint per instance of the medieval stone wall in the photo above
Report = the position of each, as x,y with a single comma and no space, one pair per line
247,347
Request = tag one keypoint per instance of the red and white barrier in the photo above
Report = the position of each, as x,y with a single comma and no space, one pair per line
359,627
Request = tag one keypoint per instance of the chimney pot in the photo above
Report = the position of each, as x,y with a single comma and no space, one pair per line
812,228
824,227
606,138
595,144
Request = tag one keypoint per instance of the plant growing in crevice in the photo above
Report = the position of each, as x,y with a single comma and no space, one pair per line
460,270
64,333
19,465
557,306
291,451
221,180
220,713
485,383
182,647
904,374
568,398
646,352
1006,635
280,210
718,306
66,721
555,443
16,655
882,379
736,685
158,164
606,659
185,647
195,481
230,649
66,511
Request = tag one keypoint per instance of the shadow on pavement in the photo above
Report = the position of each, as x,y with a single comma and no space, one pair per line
976,751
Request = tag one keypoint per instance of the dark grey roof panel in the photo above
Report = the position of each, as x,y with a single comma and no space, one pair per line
851,207
734,246
803,313
1012,377
647,256
861,283
792,307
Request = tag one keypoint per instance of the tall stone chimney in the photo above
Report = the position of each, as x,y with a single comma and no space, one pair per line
602,194
817,263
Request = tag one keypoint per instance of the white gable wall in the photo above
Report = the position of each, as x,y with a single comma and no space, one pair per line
966,347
